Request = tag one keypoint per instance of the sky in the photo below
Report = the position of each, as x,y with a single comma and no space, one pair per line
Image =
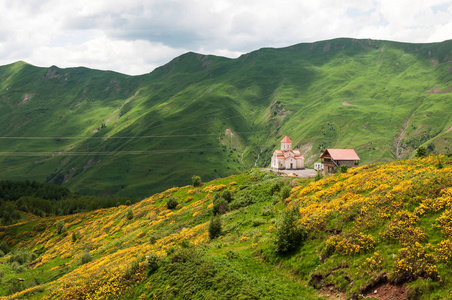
136,36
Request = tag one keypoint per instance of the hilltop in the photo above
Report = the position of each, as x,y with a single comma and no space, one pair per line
103,133
377,230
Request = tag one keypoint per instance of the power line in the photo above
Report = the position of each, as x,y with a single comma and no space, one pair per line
133,152
117,137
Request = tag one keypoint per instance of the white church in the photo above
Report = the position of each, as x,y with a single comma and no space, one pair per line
286,158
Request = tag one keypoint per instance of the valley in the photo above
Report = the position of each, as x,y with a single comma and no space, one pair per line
105,133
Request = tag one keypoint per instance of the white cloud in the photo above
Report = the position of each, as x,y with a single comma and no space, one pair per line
135,36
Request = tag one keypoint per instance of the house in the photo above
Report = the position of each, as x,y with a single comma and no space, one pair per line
318,166
286,158
333,158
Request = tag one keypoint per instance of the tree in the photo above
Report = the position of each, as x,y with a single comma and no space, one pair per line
196,180
220,206
288,235
421,152
60,226
129,214
215,228
171,202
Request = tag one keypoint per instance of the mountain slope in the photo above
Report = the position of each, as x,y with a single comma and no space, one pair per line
104,132
379,227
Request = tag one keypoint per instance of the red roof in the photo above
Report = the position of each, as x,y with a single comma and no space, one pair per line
286,140
341,154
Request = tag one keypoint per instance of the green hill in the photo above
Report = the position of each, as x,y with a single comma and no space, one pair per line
381,230
100,132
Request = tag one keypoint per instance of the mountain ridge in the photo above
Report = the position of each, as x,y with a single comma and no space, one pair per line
135,135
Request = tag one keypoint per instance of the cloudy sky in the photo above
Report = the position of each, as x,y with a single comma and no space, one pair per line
136,36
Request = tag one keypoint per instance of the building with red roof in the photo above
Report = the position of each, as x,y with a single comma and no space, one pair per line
286,158
333,158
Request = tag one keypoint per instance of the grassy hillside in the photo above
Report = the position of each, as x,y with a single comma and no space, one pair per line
102,132
381,227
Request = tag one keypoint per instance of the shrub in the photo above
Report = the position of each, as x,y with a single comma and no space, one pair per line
421,152
288,235
131,269
4,247
152,239
196,180
86,257
257,222
220,206
17,267
351,243
414,261
41,226
267,211
318,176
215,228
152,262
276,187
21,256
343,169
242,201
129,214
444,251
285,192
60,226
171,202
2,253
74,237
227,195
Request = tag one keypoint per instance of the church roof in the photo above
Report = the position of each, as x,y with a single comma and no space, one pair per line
286,140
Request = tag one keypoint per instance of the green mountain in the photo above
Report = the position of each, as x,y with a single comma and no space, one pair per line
100,132
380,230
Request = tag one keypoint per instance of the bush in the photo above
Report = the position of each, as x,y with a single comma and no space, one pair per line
152,262
285,192
86,257
276,187
41,226
318,176
21,256
288,235
132,269
171,202
74,237
242,201
413,262
152,239
227,195
60,226
421,152
220,206
343,169
267,211
129,214
215,228
4,247
196,180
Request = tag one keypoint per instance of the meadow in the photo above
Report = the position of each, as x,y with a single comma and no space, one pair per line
384,226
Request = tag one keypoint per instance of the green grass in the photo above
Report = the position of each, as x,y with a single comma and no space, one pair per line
244,262
170,124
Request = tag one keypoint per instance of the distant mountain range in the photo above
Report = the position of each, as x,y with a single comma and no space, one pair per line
101,132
